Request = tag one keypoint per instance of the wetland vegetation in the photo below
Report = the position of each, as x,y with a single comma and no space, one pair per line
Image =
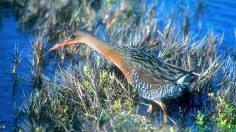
77,89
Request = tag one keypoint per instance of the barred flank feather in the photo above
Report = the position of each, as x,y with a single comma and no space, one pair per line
170,90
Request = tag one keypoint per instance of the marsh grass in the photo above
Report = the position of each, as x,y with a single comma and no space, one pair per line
87,93
224,101
38,59
81,102
17,59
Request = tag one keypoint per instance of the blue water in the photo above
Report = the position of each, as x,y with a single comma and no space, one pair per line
12,91
218,15
204,15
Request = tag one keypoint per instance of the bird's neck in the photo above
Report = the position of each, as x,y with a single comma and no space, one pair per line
111,52
100,46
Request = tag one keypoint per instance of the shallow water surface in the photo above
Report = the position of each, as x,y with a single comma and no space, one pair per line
203,16
12,91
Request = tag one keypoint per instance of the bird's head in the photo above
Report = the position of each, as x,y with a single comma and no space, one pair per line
75,37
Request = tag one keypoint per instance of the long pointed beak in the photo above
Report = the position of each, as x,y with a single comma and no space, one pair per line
60,44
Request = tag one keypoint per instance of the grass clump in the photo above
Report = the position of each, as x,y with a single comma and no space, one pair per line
73,105
224,100
220,114
225,118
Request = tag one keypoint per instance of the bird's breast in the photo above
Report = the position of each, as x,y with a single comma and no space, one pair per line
121,63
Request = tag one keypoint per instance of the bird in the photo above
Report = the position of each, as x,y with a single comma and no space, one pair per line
152,78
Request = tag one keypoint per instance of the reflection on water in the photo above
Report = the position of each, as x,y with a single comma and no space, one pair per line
218,15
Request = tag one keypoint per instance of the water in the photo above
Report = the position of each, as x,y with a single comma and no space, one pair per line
12,91
218,15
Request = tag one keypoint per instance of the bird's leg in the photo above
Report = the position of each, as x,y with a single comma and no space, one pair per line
163,107
149,110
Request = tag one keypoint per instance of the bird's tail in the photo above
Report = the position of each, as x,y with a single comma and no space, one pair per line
186,80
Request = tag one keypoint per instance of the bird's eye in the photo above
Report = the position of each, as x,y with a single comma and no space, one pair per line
73,36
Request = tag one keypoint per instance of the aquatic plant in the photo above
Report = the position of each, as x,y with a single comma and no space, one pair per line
200,120
17,59
38,59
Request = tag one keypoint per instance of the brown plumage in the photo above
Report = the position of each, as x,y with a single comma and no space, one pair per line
153,78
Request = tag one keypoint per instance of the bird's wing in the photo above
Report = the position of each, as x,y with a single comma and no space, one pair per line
154,93
151,70
157,73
